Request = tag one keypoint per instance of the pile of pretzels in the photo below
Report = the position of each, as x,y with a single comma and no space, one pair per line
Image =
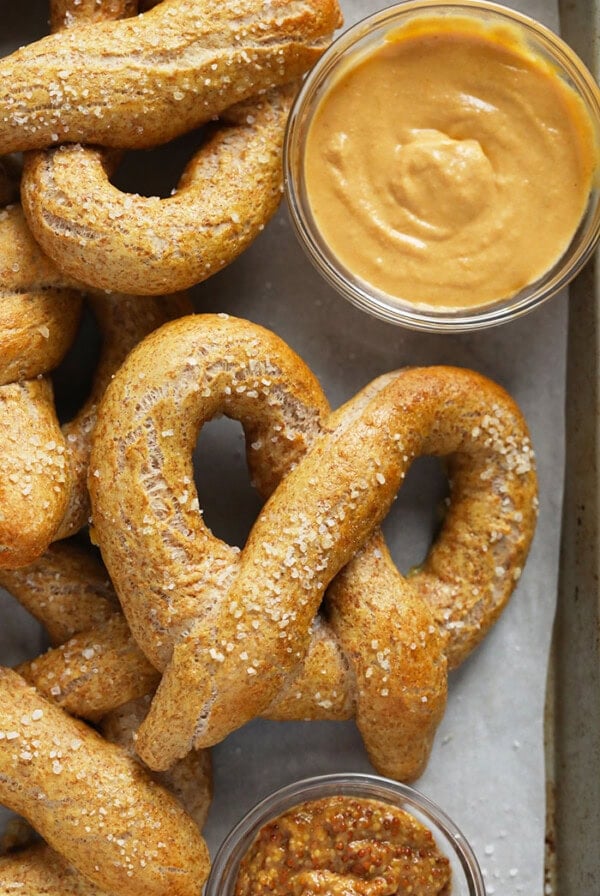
167,639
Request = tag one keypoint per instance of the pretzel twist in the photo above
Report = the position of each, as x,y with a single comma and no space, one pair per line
123,94
231,631
43,468
75,788
113,240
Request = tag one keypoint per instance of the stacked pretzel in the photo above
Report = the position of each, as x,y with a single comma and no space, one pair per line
116,829
311,620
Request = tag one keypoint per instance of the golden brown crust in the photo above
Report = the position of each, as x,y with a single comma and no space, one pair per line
34,476
39,307
87,676
190,779
67,590
91,801
179,585
123,321
70,13
117,241
122,89
39,871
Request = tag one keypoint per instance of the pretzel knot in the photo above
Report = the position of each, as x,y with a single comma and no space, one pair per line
231,630
139,83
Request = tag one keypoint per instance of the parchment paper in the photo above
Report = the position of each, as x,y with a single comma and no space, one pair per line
487,768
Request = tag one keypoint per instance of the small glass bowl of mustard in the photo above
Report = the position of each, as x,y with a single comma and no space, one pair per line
442,164
302,835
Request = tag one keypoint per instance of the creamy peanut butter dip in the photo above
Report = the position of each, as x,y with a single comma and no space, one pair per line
344,846
449,166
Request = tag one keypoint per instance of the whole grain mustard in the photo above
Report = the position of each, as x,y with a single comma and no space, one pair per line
344,846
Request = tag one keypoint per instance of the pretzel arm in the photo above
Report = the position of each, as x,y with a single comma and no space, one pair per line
67,590
74,788
124,79
148,245
34,478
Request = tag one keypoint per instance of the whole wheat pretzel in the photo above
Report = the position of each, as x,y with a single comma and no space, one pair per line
50,588
43,467
39,313
68,592
231,631
92,801
118,241
113,240
212,56
141,81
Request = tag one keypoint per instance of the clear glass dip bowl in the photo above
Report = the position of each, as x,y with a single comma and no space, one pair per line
368,35
466,875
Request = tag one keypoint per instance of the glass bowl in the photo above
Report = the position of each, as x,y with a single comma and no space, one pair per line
358,41
466,875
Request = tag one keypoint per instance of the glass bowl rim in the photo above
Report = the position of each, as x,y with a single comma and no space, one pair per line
359,784
392,309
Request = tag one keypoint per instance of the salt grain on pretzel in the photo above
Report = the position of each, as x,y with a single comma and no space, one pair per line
92,802
232,632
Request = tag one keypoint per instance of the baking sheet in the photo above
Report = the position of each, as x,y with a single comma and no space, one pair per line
487,768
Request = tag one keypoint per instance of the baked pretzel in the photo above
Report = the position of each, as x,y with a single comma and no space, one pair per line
231,187
49,588
92,801
170,70
231,630
113,240
39,313
43,468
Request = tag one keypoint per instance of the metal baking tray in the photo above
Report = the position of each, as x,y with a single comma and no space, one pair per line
573,705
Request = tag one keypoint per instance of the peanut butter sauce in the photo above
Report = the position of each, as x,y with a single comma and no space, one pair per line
450,166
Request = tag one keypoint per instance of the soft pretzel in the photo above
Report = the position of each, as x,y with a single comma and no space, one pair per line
141,81
92,802
117,241
217,56
50,587
43,492
230,631
67,590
